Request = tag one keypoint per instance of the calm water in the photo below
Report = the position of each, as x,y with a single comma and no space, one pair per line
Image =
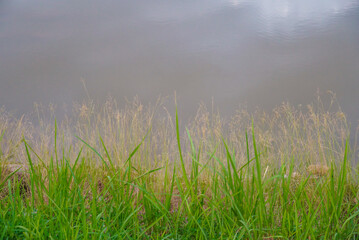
259,52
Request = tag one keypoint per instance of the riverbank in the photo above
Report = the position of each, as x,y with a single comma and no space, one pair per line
139,173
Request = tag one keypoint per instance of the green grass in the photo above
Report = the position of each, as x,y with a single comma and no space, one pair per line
90,190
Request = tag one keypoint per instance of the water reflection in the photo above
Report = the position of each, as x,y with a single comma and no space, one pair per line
298,10
272,16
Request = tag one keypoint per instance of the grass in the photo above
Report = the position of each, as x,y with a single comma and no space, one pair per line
136,173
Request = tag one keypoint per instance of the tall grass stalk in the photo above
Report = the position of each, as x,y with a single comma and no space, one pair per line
126,174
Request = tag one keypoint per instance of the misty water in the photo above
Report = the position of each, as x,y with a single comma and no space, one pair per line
235,52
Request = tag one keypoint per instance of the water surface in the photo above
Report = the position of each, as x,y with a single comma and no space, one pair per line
258,52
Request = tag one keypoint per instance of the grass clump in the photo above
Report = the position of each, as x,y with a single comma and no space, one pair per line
137,174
